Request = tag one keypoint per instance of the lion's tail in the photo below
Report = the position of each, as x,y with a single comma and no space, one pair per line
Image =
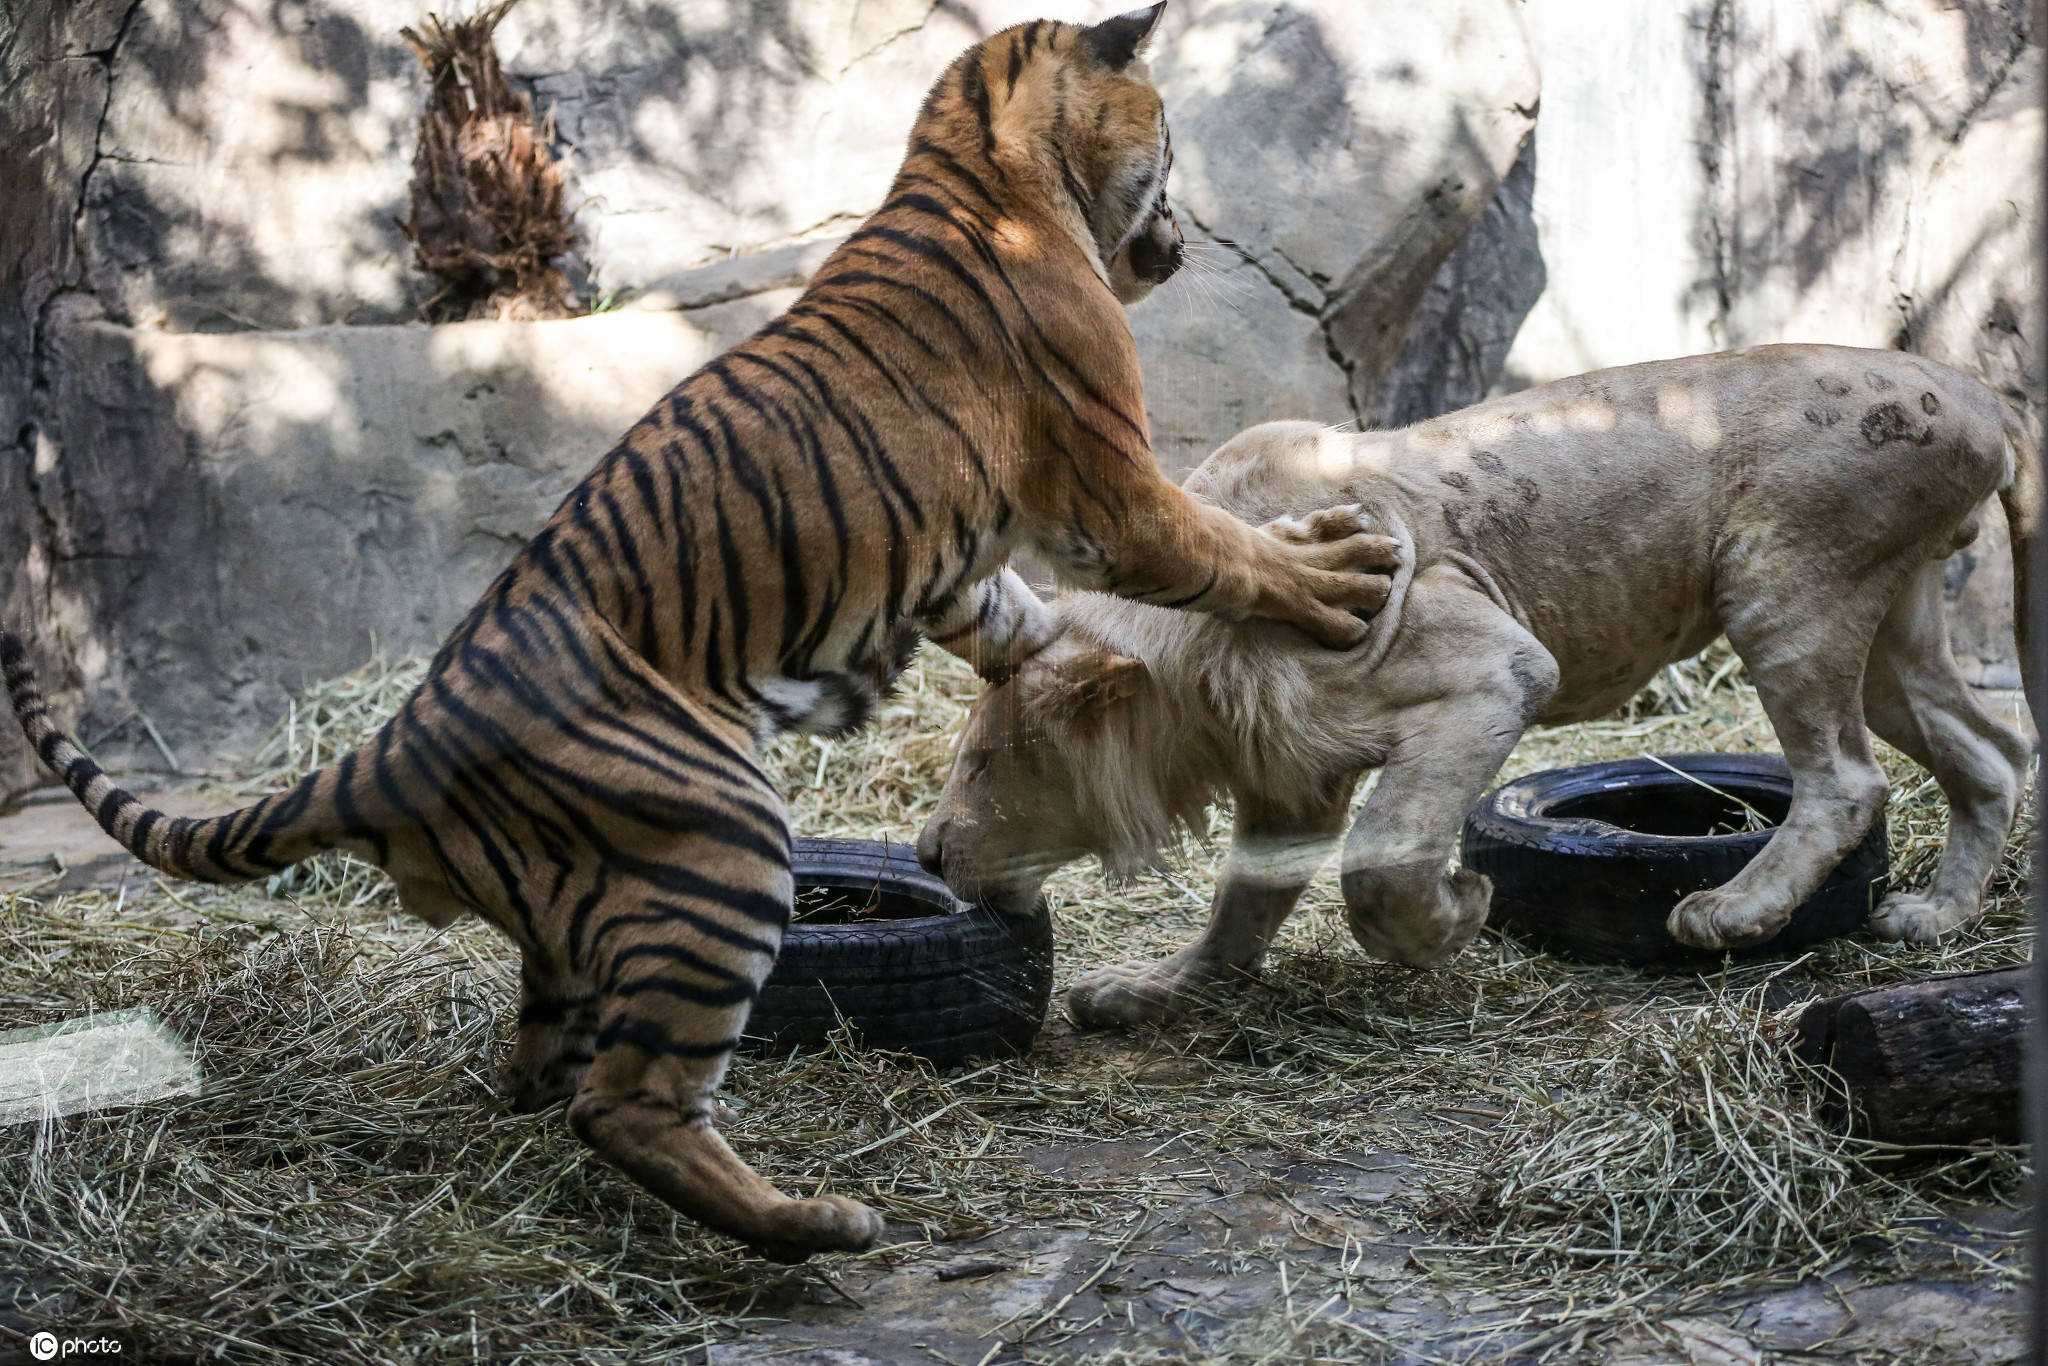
2021,495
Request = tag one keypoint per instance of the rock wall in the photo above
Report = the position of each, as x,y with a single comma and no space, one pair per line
55,63
1726,173
227,459
235,462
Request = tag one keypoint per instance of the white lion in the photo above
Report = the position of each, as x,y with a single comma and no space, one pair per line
1561,545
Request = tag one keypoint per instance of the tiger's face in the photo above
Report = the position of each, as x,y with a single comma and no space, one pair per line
1153,253
1117,143
1073,109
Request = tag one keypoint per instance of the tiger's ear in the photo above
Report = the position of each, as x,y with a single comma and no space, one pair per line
1095,680
1115,42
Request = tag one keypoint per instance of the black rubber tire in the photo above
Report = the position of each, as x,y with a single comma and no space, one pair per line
1586,888
963,982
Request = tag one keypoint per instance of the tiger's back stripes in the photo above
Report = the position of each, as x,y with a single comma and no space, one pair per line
763,551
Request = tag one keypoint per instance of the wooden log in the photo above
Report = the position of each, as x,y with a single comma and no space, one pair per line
1929,1063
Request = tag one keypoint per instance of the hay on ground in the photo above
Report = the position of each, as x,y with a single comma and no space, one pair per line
1598,1148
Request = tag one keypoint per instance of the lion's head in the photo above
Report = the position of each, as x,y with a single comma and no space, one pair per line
1067,759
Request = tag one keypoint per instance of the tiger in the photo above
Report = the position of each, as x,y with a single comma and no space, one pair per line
763,551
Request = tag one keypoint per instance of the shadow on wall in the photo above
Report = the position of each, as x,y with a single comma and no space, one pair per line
1828,108
235,165
1325,176
229,515
273,504
1872,178
1832,139
254,158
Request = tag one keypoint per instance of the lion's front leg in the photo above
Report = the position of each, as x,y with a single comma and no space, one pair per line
1404,902
1273,857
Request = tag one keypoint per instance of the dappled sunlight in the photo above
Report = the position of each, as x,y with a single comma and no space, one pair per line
1210,59
257,386
1576,414
1689,412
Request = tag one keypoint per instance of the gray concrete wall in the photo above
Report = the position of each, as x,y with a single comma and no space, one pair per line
232,461
1727,173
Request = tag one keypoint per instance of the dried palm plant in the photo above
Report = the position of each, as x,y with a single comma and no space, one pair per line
487,219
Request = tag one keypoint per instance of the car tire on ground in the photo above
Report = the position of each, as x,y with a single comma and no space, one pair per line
881,945
1588,861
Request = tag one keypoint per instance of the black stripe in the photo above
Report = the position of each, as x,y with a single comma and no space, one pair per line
345,808
1198,594
939,306
660,810
551,1010
974,88
671,953
110,807
952,166
714,998
651,1038
669,912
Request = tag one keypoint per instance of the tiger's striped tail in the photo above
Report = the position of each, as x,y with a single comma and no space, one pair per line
252,842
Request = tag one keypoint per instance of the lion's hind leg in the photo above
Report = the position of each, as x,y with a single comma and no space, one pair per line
1917,700
1805,641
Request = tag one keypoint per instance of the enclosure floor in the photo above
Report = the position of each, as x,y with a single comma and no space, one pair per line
1243,1259
1290,1177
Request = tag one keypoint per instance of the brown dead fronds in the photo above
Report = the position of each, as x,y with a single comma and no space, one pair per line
488,219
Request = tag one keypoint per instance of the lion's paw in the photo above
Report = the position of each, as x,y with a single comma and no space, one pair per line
1917,919
1715,920
1132,995
1418,931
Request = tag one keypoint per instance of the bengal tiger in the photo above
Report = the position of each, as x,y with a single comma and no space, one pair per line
580,765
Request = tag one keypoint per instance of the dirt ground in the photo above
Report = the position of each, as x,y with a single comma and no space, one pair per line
1510,1159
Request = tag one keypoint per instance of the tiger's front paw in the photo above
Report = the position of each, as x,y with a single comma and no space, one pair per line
824,1223
1344,573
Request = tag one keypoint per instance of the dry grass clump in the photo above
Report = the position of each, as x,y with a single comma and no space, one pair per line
488,218
1591,1147
1684,1141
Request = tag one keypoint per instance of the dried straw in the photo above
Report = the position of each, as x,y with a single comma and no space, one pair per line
1596,1148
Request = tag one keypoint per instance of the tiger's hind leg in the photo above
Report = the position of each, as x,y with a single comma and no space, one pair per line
553,1049
678,951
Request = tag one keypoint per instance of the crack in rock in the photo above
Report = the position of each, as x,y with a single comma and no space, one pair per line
930,10
1295,301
